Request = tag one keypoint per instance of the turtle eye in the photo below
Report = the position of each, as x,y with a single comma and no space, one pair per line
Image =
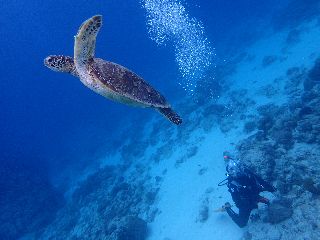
50,60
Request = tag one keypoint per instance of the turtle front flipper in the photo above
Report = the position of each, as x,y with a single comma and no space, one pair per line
85,40
61,64
170,115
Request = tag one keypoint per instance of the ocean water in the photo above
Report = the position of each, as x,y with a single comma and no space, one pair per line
243,75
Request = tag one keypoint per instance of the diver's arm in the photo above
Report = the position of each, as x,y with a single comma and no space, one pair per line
264,185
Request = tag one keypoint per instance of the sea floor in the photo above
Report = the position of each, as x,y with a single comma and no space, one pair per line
167,176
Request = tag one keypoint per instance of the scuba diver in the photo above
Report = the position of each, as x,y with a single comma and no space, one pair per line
245,187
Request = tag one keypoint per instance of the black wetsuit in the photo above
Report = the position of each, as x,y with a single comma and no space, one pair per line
245,189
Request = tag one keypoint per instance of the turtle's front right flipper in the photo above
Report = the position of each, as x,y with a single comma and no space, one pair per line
85,40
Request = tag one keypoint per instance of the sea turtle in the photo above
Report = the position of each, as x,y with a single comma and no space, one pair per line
108,79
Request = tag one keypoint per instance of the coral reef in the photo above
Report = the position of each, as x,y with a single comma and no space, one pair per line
293,37
269,91
281,145
285,149
226,115
303,222
133,228
203,213
249,126
106,206
268,60
279,211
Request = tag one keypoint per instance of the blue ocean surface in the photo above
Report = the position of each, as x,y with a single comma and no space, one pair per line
243,76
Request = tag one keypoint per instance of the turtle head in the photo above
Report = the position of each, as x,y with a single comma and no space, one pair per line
60,63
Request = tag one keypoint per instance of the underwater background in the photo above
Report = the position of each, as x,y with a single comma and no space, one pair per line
244,76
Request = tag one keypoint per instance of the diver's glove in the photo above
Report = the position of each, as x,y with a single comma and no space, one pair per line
226,205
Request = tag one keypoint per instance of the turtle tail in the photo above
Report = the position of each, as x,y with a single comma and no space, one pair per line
171,115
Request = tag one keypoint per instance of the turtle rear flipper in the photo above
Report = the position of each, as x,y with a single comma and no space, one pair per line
171,115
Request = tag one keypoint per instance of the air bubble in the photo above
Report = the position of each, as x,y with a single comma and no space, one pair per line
169,23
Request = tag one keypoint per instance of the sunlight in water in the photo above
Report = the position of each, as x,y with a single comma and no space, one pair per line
169,22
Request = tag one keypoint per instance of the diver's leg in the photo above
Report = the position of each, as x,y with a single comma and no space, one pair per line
263,200
240,219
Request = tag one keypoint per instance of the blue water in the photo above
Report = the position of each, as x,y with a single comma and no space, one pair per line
39,105
50,121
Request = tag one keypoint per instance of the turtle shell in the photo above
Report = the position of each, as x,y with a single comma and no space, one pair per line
126,83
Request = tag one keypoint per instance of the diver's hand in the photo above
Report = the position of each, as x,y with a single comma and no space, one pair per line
226,205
